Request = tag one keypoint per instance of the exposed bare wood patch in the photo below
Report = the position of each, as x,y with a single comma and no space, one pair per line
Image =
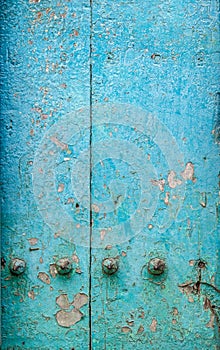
44,277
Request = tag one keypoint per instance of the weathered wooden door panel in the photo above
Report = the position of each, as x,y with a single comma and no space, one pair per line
110,120
155,78
45,50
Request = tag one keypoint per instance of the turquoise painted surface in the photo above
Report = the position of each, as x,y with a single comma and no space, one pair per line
110,149
45,63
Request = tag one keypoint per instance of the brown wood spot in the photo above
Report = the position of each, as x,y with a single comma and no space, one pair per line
75,258
175,311
153,326
160,183
126,329
43,276
78,270
80,300
68,318
63,301
188,173
192,262
142,314
53,270
31,294
33,241
60,188
190,299
140,329
173,181
210,324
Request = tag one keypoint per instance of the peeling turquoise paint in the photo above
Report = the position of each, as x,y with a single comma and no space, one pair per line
110,118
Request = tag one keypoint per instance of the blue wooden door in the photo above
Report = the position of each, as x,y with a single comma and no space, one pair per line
110,170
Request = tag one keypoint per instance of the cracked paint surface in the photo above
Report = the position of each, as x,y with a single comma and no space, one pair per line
69,318
45,67
162,57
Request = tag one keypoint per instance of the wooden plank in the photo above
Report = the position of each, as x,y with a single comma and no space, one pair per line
155,173
45,51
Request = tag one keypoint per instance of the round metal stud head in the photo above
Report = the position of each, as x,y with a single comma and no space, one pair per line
110,266
64,266
156,266
17,266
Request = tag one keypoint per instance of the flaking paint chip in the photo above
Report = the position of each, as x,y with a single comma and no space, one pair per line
140,329
126,329
153,326
33,241
68,318
31,294
43,276
80,300
63,301
173,181
53,270
188,173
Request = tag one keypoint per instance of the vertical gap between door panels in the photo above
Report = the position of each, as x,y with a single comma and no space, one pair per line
90,184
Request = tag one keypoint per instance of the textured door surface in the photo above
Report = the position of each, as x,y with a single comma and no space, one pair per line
110,171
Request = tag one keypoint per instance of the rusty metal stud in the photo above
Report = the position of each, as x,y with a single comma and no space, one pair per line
17,266
110,265
64,266
156,266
